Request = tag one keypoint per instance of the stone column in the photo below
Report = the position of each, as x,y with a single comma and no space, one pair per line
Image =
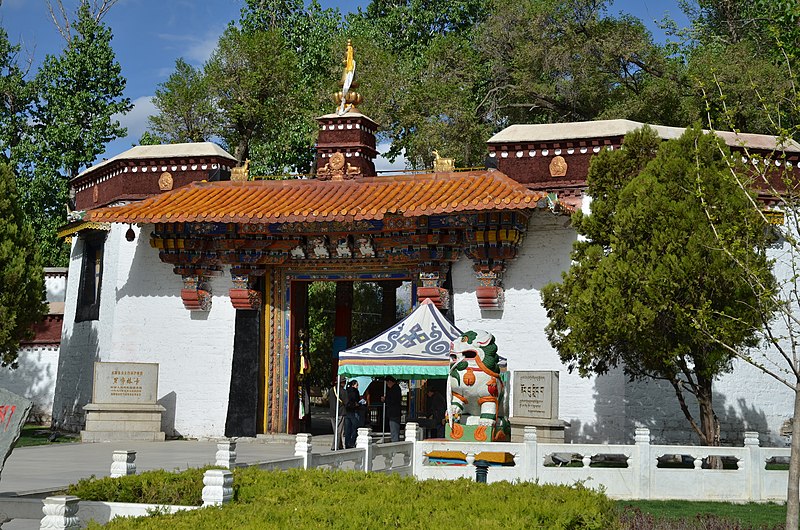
60,513
226,454
217,487
364,441
643,461
531,453
123,463
754,465
302,448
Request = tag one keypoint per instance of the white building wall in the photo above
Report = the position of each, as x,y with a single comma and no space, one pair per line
606,408
34,378
142,319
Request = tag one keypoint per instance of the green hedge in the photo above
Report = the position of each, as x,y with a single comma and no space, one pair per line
150,487
354,500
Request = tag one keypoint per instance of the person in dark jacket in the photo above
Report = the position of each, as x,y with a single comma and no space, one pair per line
437,410
393,400
352,420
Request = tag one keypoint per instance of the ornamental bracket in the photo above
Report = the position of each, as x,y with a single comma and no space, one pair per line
196,293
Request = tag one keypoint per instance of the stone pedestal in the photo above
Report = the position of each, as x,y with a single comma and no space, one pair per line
124,404
114,422
547,431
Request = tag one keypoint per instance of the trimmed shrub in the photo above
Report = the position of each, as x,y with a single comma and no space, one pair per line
338,499
150,487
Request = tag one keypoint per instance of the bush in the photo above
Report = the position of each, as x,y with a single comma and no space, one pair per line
150,487
338,499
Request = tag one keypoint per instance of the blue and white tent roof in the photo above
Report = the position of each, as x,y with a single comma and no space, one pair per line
417,347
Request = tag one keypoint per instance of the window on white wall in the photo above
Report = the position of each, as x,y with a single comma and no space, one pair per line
91,276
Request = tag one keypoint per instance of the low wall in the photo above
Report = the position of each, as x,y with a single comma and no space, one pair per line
623,471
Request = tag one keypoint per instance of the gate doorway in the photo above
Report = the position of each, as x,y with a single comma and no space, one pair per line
327,317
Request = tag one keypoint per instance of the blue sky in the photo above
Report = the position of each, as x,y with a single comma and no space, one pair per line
149,35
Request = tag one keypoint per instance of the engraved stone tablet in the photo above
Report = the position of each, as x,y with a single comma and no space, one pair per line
125,383
535,394
14,411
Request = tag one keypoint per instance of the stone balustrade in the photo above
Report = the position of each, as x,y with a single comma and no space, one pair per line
639,471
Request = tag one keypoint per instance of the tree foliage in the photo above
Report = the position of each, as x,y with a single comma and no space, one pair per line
186,111
71,119
21,273
651,264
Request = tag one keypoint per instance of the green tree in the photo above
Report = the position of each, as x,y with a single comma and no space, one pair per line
73,118
16,97
252,78
21,273
651,263
312,32
186,111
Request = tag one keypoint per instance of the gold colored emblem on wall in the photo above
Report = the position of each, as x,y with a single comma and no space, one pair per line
335,169
558,167
95,193
165,181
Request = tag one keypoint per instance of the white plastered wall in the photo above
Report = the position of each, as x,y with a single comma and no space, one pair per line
606,408
142,319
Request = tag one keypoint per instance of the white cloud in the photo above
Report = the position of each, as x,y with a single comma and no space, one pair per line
195,49
136,119
383,164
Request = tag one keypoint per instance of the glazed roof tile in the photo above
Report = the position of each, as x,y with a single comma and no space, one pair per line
314,200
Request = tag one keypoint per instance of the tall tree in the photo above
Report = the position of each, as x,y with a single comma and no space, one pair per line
16,96
651,262
21,273
252,78
79,94
186,112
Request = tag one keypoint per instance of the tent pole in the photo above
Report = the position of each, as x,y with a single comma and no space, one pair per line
383,429
336,425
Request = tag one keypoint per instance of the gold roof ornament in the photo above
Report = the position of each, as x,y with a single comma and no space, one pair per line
348,99
442,165
242,173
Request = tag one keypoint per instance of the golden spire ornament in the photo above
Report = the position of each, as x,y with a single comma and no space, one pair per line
346,98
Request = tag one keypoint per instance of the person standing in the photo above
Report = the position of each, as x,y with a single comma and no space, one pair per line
352,420
437,410
337,395
393,400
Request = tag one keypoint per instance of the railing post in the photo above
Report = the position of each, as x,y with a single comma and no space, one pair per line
217,487
60,513
413,432
364,442
226,454
123,463
531,452
302,447
754,466
644,462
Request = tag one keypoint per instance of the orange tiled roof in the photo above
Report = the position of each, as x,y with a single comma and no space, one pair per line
315,200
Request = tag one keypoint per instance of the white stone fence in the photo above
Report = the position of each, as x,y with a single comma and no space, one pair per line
638,471
624,471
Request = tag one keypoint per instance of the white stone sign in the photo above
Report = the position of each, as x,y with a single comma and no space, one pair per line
125,383
535,394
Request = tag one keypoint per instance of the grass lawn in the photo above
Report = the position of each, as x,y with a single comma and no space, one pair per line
751,515
39,435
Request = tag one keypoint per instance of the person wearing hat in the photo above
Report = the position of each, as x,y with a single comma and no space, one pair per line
393,400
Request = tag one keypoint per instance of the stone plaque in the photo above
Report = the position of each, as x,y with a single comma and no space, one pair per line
535,394
125,383
14,411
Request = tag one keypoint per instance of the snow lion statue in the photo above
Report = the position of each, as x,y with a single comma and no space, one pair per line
475,389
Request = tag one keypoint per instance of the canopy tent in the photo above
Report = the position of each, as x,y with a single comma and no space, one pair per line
417,347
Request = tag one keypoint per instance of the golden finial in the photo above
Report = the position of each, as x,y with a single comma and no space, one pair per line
348,99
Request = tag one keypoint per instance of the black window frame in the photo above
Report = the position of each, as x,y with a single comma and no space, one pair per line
91,275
